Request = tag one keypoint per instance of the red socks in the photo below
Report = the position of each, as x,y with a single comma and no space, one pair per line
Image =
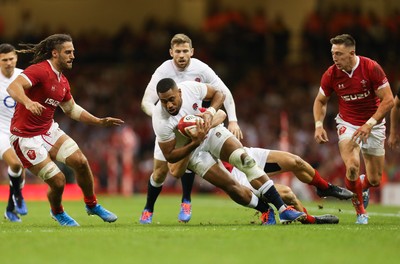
366,184
57,210
90,201
310,219
356,187
318,182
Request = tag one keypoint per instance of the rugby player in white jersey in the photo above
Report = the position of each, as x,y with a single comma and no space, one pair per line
182,67
209,144
8,72
274,163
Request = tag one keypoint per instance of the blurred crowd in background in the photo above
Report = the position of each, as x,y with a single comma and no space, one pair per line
251,54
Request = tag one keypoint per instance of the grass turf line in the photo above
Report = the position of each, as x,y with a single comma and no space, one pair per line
220,232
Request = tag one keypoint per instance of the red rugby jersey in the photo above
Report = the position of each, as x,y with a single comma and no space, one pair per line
356,91
48,90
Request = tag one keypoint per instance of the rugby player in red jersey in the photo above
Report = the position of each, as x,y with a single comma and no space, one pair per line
37,138
365,97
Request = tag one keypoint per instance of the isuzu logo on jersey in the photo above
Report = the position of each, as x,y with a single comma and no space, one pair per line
353,97
52,102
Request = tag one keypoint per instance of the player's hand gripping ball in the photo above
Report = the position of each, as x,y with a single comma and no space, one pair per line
188,123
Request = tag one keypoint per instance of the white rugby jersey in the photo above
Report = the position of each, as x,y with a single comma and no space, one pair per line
164,124
7,103
196,71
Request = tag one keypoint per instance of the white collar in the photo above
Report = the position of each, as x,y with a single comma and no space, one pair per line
54,70
354,68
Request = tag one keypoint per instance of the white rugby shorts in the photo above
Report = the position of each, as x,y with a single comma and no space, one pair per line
207,154
33,150
375,144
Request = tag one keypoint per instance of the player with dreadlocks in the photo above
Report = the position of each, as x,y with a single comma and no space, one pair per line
37,138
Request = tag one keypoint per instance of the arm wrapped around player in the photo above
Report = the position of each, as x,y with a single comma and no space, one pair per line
217,99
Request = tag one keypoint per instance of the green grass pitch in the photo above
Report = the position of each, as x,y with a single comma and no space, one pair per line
220,232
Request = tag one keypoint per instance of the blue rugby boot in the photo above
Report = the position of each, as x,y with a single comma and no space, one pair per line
186,212
103,213
362,219
20,205
146,217
290,214
12,216
268,217
64,219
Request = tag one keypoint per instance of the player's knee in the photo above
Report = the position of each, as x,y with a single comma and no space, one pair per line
245,163
375,181
160,173
49,171
57,183
66,150
79,162
352,172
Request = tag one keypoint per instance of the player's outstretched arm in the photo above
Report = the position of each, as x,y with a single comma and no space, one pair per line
77,113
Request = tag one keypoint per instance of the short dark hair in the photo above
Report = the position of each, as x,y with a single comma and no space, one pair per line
344,39
6,48
165,84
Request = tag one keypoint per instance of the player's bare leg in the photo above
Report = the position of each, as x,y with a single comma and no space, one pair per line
232,151
350,152
281,161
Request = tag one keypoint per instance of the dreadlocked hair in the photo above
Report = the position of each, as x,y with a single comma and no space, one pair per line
42,50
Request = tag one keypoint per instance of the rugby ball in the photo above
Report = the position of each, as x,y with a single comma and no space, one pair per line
188,123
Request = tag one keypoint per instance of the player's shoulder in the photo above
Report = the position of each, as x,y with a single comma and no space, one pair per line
166,66
197,62
18,70
331,71
189,84
157,111
43,66
368,62
364,59
372,68
199,65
